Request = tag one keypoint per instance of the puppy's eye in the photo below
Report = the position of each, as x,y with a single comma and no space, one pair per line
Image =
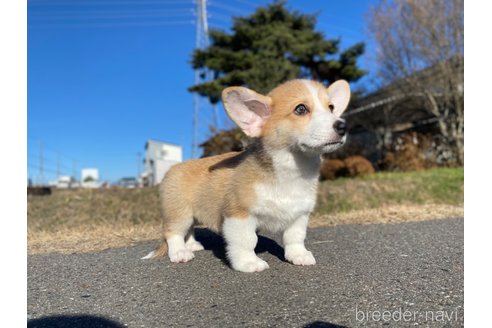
301,110
331,107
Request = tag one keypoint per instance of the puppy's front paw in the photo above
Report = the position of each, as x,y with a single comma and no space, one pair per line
182,255
300,257
250,265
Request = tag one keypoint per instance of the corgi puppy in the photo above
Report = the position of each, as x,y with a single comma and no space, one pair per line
270,186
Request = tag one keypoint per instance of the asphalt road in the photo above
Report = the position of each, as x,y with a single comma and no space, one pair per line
390,275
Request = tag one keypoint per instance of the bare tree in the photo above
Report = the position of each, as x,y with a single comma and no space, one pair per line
421,51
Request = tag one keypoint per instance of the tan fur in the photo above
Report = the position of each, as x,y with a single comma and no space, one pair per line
209,189
284,99
161,250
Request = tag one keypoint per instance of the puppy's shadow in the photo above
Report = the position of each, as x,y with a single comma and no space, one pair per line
215,243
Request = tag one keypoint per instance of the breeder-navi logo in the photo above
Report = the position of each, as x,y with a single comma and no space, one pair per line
401,315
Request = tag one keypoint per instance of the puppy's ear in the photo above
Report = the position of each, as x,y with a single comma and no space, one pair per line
247,109
339,95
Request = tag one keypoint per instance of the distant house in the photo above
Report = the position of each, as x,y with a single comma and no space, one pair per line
128,182
90,178
374,121
65,182
377,119
159,157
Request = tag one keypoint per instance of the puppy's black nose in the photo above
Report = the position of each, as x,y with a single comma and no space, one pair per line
340,127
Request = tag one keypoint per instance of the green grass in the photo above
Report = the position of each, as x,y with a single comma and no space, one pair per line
434,186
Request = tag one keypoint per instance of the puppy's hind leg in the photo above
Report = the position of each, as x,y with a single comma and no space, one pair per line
173,241
177,218
173,244
175,233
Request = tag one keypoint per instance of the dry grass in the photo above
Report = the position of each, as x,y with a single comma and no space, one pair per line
434,186
389,214
90,238
86,220
71,221
100,237
73,209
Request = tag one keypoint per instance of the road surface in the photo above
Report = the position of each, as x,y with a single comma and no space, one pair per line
391,275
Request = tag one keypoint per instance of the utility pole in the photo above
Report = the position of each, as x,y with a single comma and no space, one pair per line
41,164
57,165
194,142
201,41
74,168
139,161
206,41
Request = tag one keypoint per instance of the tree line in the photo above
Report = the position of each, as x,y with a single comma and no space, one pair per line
275,44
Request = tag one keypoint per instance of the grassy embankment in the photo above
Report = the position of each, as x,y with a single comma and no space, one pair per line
88,220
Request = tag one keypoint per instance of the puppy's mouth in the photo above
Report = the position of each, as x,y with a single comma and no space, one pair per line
333,143
322,146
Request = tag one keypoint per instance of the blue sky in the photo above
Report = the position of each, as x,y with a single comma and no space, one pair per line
104,76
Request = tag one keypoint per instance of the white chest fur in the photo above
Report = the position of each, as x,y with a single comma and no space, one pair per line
290,195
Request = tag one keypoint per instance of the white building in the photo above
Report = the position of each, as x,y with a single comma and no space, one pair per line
65,182
159,157
90,178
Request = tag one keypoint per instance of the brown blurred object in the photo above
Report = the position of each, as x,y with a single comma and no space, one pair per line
358,166
413,152
332,168
352,166
224,141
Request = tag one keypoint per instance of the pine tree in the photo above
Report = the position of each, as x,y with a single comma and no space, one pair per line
269,47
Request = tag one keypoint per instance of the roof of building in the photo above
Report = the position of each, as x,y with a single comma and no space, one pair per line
162,142
390,106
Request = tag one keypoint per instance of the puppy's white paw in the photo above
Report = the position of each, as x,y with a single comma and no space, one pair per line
250,265
298,257
194,246
182,255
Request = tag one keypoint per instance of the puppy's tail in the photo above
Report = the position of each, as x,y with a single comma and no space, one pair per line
160,251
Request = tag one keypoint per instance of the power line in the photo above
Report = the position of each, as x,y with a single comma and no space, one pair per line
113,17
46,160
106,12
216,25
230,9
123,24
49,149
57,167
46,169
106,3
249,3
46,15
220,17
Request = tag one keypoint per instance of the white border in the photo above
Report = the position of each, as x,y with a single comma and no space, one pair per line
13,129
478,165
